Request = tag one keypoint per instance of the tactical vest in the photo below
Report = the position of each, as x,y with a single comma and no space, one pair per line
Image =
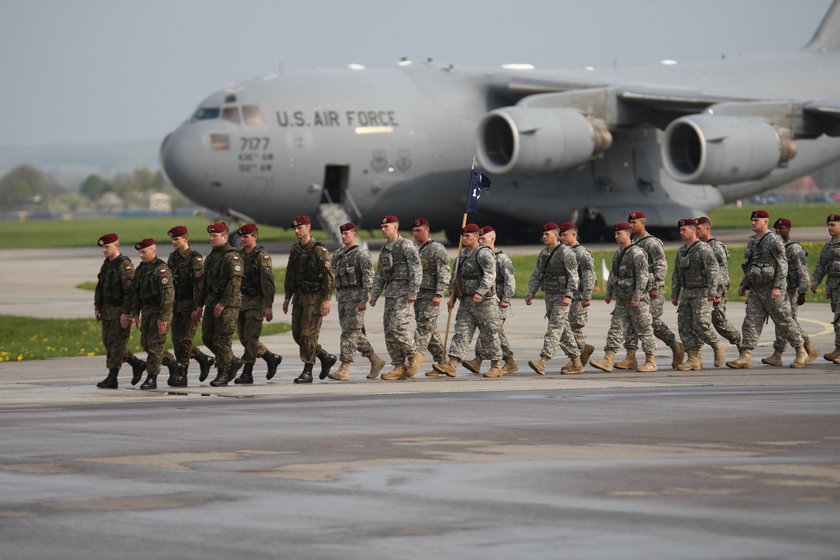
430,270
393,263
347,272
554,279
251,285
110,278
215,273
182,274
691,271
760,268
305,269
471,273
146,281
834,261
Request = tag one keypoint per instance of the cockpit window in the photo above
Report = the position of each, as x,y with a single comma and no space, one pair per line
206,113
231,114
252,115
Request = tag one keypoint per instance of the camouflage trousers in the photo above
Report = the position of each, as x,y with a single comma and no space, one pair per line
835,309
626,319
722,325
306,325
507,351
578,316
183,331
396,320
152,341
760,306
559,332
217,333
353,337
249,327
114,339
780,343
483,316
660,329
694,319
426,335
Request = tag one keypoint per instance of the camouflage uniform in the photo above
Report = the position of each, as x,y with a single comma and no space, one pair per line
722,325
476,274
257,295
223,273
154,301
436,275
658,267
693,282
765,268
309,281
556,272
113,297
578,314
399,274
630,280
505,288
798,281
188,275
353,270
828,267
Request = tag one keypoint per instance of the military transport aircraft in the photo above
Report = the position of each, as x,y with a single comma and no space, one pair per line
356,143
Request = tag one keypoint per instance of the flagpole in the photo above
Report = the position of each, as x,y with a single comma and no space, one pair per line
452,297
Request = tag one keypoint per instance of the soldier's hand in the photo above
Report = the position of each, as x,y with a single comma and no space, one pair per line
674,301
125,321
607,299
741,290
325,307
775,293
504,304
411,299
585,302
269,314
566,302
800,300
361,306
285,306
715,299
634,303
136,320
196,315
478,298
372,302
654,293
528,300
97,314
436,301
813,288
162,326
217,311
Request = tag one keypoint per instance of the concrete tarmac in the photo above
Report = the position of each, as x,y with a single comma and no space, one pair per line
718,463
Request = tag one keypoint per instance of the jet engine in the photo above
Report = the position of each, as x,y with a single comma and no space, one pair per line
538,141
719,150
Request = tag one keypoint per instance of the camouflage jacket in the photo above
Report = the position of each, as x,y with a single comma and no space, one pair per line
258,281
657,261
154,289
309,271
114,293
223,273
399,271
475,273
765,265
505,276
798,279
435,263
556,272
721,254
695,273
586,272
353,269
828,265
629,275
188,274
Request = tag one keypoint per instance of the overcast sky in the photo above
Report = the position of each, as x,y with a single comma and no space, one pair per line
101,71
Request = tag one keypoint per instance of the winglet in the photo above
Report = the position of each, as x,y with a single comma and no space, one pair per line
827,36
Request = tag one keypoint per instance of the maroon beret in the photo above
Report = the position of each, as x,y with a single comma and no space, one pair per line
486,229
687,222
107,239
703,220
759,214
782,222
148,242
219,227
247,229
549,226
389,219
621,225
301,221
470,228
177,231
349,226
566,226
420,222
636,215
833,218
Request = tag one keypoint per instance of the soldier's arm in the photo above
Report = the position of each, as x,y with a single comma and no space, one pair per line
197,269
444,275
510,279
800,261
134,300
536,277
676,286
487,262
366,264
640,263
572,280
660,263
289,281
327,273
415,268
777,252
235,272
267,280
712,271
167,293
586,267
127,276
821,266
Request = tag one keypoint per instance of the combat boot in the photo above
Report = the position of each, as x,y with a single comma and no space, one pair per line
495,370
744,361
221,379
813,351
247,375
586,353
396,374
720,353
679,354
539,365
376,365
138,366
574,367
473,365
510,366
774,359
205,362
327,361
180,377
306,375
693,363
629,361
801,358
449,368
235,364
273,360
150,382
342,374
833,355
414,364
650,363
607,363
110,382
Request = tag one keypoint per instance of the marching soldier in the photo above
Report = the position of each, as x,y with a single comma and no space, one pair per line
310,281
765,276
722,325
399,275
578,311
436,275
658,264
693,284
556,272
112,302
629,282
475,286
353,270
828,267
220,301
257,301
152,307
798,281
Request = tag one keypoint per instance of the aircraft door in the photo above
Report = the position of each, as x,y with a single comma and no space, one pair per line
336,178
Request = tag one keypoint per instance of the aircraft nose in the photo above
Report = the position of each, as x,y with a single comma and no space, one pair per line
181,159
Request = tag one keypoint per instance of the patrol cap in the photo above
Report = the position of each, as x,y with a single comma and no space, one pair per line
549,226
107,239
247,229
349,226
148,242
622,225
301,221
470,228
566,226
703,220
636,215
687,222
177,231
419,222
782,222
759,214
486,230
220,227
389,219
833,218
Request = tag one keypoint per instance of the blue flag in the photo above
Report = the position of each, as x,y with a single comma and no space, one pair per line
478,181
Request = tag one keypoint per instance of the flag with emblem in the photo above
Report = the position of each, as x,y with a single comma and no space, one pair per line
478,181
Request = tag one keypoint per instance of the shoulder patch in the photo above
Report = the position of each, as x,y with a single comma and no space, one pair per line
199,259
237,268
327,264
164,280
163,271
265,255
267,270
